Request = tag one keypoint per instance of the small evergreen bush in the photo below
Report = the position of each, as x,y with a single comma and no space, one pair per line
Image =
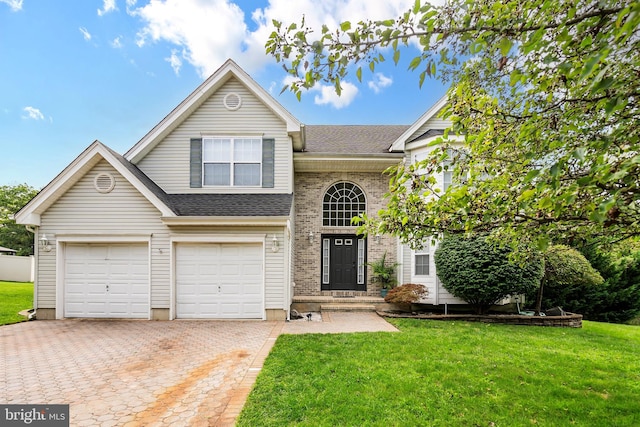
482,274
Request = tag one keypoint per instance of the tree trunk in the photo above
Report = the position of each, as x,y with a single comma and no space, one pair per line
539,297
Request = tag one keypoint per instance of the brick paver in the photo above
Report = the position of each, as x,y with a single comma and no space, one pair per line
131,372
145,373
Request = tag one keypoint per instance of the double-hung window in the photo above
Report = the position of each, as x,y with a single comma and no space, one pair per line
232,161
421,260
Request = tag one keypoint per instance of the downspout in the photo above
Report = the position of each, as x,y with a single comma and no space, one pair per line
288,238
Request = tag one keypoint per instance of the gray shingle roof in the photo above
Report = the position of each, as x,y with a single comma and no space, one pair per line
231,204
152,186
352,139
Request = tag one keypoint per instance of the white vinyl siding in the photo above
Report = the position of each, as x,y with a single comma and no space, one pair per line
437,293
83,211
168,163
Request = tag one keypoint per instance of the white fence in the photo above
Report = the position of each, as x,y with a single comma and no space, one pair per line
17,268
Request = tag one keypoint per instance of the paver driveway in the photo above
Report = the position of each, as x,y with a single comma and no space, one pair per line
133,372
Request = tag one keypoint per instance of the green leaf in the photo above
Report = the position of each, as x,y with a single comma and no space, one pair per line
415,63
345,26
527,195
505,46
416,7
531,175
396,57
359,74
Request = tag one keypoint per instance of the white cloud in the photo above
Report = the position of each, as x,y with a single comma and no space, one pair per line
32,113
379,82
15,5
85,33
116,43
175,61
210,32
107,6
329,96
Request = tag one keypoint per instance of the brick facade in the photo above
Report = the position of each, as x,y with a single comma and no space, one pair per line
309,192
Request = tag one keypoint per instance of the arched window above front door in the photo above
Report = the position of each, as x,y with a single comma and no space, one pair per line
342,201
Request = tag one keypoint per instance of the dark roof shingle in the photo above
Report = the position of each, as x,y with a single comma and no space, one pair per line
352,139
231,204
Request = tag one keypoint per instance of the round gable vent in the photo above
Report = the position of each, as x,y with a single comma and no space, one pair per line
232,101
104,182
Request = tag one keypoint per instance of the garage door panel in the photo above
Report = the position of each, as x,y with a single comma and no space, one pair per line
106,280
216,280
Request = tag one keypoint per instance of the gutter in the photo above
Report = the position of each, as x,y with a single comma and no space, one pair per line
256,221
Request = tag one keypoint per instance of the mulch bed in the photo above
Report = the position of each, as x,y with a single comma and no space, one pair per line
570,320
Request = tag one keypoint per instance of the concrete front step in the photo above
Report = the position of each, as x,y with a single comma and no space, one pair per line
347,307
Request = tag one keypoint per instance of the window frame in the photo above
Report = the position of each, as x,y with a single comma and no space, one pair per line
336,213
233,161
424,251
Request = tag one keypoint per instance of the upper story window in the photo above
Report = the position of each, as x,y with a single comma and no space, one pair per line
341,202
232,161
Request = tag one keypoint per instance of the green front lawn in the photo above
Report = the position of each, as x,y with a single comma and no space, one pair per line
437,373
14,297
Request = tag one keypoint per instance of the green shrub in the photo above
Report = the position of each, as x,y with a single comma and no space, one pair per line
480,273
409,293
566,273
617,299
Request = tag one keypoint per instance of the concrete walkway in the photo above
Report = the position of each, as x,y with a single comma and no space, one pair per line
144,373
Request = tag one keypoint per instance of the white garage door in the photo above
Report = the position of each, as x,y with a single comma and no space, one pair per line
219,281
106,280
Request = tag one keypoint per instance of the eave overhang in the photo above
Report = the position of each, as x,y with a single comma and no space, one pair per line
312,162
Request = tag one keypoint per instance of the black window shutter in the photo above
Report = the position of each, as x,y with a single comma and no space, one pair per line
268,162
196,163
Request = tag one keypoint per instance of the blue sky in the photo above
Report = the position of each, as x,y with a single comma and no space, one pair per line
76,71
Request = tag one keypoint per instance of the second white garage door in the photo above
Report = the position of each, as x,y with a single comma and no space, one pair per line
219,281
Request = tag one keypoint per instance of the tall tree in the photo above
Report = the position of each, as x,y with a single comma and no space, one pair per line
12,235
544,92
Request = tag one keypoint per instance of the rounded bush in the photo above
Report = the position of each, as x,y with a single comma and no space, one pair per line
482,274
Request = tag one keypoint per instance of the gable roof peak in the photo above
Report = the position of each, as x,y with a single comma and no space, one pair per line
399,143
214,82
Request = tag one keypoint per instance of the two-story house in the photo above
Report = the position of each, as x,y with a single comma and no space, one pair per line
229,208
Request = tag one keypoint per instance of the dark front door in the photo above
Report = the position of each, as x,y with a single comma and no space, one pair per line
343,263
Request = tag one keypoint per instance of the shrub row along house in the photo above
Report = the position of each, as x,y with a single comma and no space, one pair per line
229,208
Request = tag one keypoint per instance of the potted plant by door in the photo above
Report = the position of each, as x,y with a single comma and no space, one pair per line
384,273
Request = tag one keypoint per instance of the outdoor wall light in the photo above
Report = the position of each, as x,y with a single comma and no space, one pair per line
44,243
311,237
275,245
376,239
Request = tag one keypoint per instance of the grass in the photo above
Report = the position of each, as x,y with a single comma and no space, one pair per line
14,297
437,373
